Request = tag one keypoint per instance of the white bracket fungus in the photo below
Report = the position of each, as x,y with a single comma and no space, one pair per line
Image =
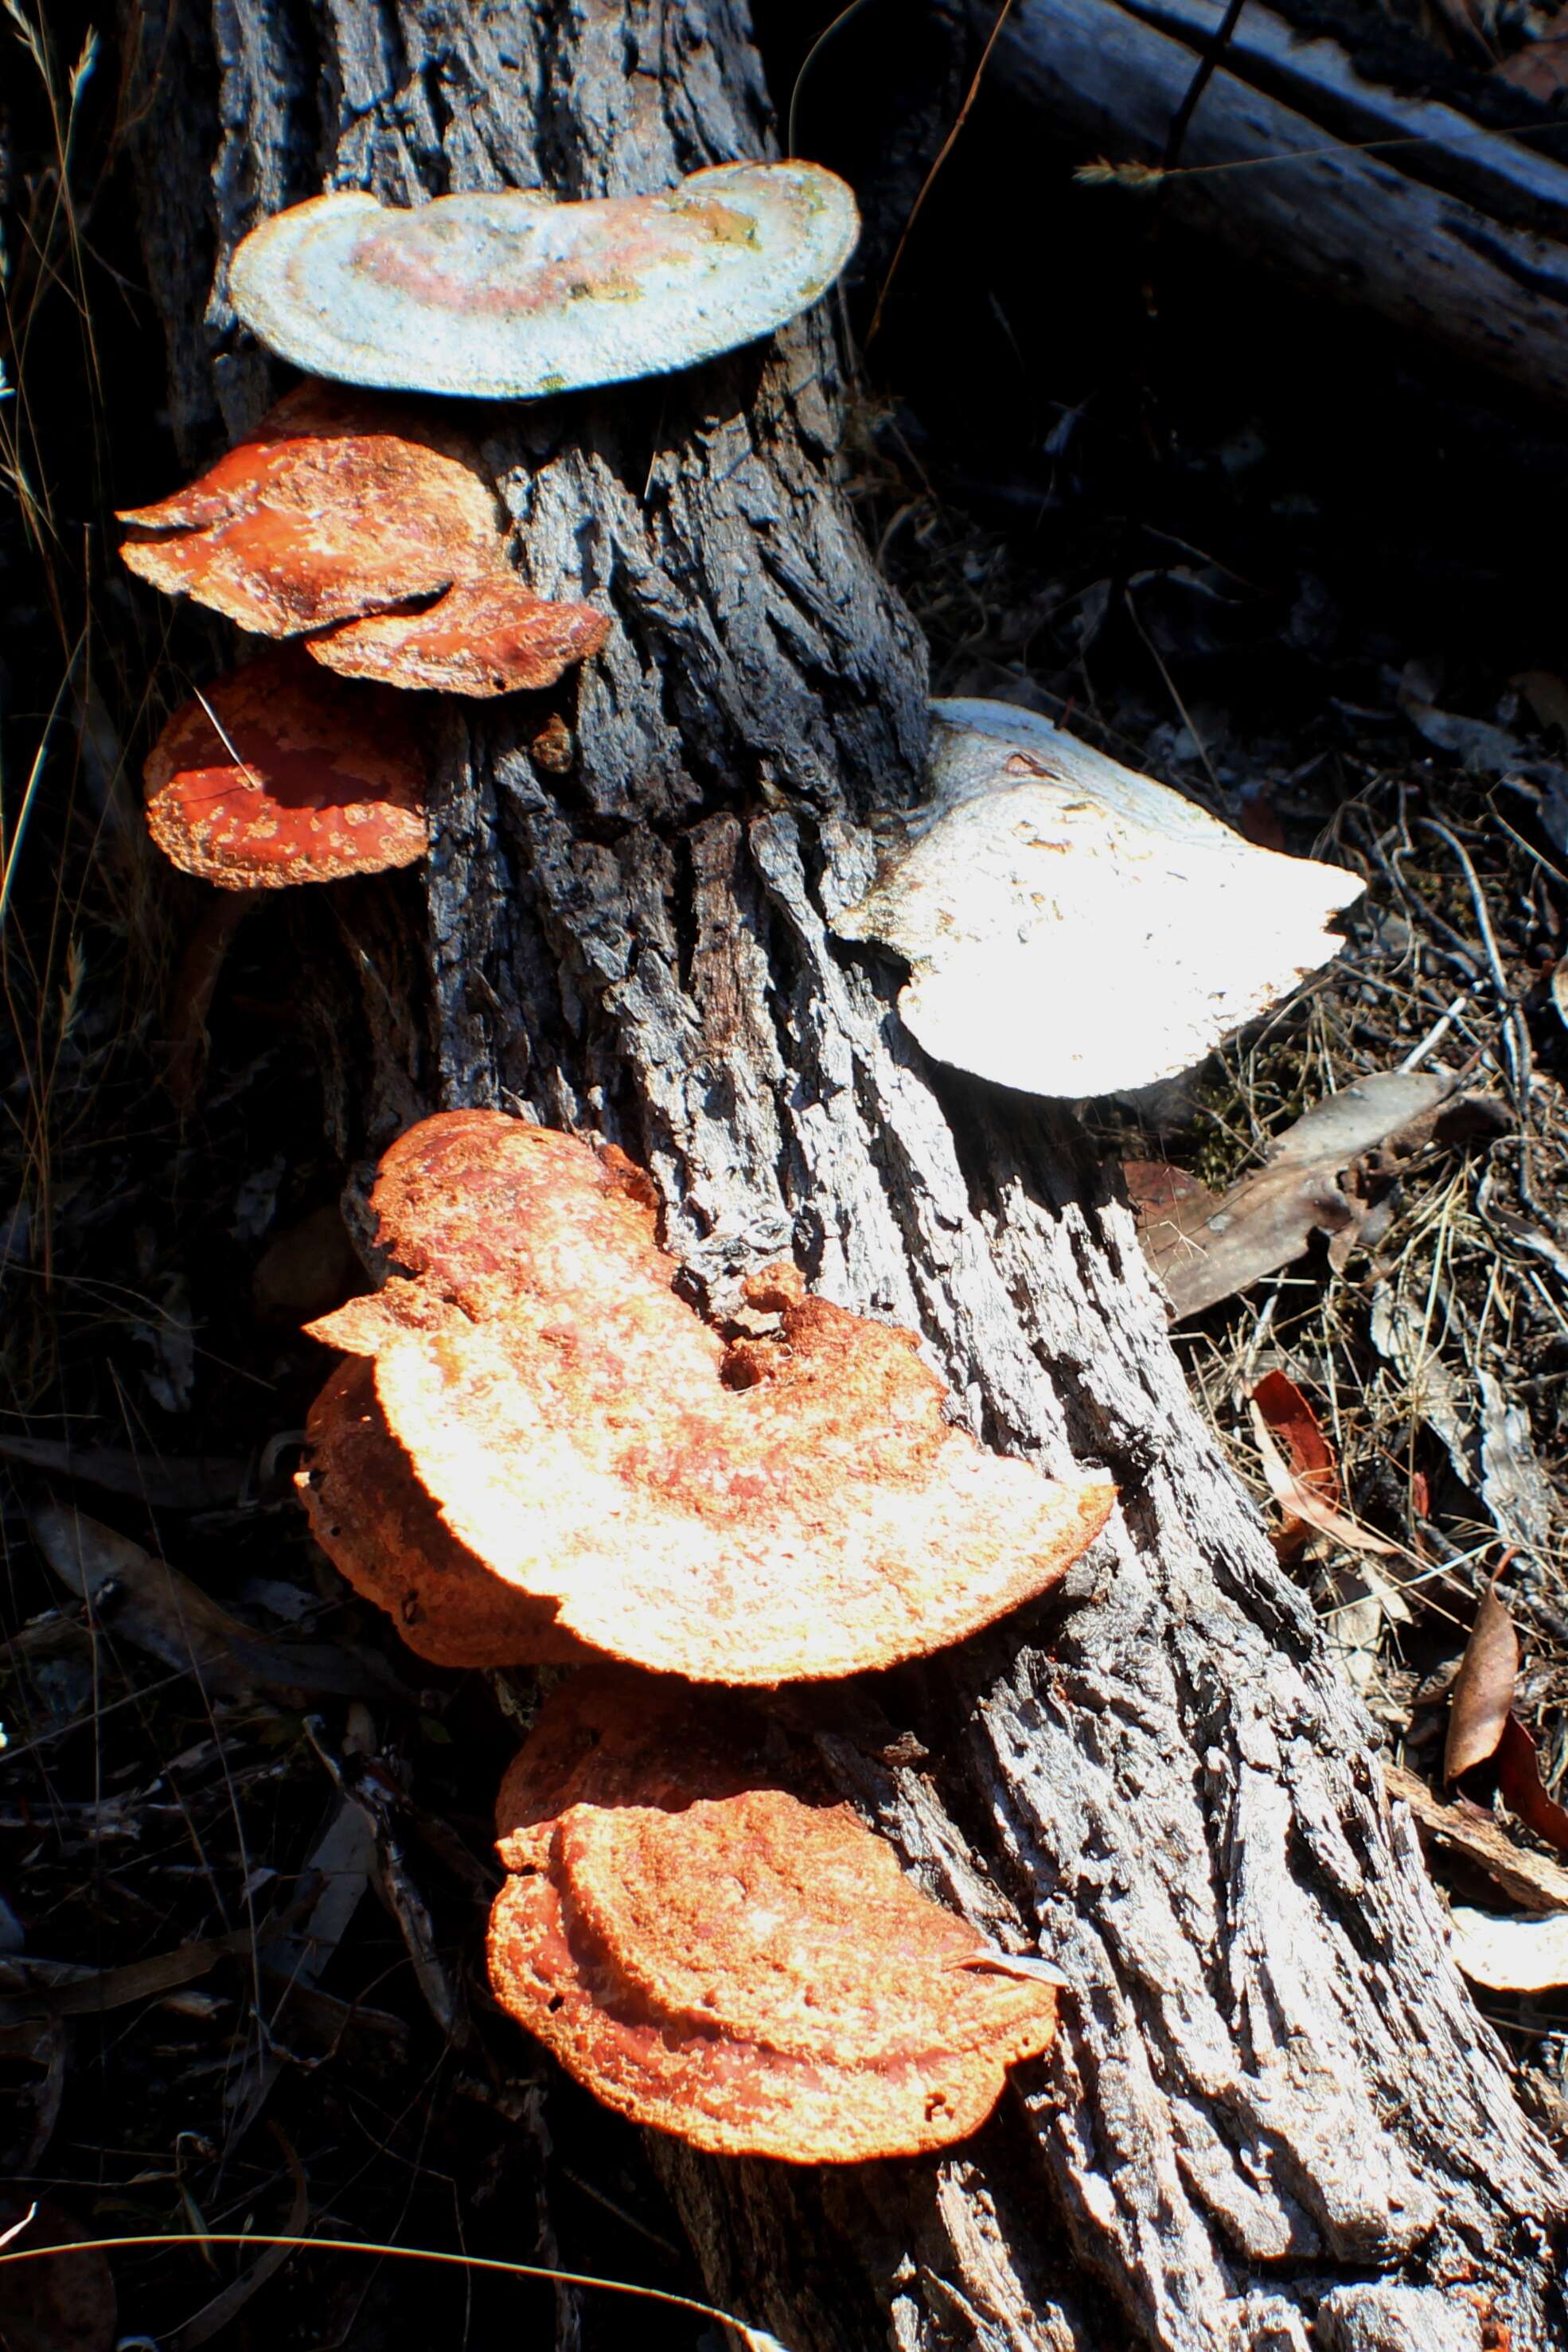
1073,928
507,295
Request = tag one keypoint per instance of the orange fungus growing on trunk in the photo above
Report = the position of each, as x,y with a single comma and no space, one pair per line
789,1506
485,636
341,511
339,503
369,1513
718,1954
279,775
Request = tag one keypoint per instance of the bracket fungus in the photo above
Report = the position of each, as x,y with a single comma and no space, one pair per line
279,775
336,514
510,294
714,1954
483,636
778,1508
336,505
374,1519
1073,928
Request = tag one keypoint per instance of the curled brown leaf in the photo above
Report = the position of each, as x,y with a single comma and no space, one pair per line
1483,1689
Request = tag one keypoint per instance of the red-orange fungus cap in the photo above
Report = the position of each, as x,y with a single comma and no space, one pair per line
382,1532
279,775
484,637
713,1947
339,503
791,1508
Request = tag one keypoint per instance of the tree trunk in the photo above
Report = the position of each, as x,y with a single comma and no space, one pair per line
1273,2109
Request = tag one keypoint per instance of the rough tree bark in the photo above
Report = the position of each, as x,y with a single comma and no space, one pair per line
1274,2118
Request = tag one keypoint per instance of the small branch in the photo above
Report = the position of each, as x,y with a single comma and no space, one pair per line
947,147
1199,83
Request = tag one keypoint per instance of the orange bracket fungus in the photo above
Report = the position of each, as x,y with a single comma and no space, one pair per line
341,507
338,504
279,775
715,1954
508,295
483,636
779,1508
372,1517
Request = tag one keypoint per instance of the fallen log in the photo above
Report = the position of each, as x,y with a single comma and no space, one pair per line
1274,2121
1446,228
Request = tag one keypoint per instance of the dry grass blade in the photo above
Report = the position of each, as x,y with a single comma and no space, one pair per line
203,2325
12,839
756,2339
971,94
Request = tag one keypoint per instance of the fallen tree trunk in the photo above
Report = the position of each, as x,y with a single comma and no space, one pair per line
1451,231
1274,2117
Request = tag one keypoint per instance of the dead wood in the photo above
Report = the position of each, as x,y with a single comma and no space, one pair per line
1451,231
1274,2117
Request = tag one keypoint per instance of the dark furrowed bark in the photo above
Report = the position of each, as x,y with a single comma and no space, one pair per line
1274,2119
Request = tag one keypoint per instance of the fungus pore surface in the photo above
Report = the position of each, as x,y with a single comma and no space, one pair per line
279,775
783,1508
507,294
714,1950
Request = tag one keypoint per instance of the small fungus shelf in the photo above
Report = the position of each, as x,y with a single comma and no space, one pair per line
482,637
339,514
281,775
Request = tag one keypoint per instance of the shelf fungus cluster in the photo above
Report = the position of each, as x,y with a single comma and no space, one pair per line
377,531
535,1451
717,1953
369,528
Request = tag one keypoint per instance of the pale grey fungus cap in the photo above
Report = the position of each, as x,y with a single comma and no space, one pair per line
1075,928
512,296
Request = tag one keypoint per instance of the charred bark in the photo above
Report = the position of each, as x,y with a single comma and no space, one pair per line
1274,2117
